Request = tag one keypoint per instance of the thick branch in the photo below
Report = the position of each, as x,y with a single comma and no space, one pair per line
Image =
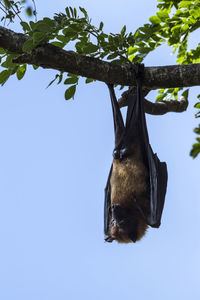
11,40
52,57
49,56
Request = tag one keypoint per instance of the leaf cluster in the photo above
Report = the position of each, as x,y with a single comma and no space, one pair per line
10,68
73,29
196,147
178,20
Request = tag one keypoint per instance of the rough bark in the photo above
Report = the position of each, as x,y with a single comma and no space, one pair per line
52,57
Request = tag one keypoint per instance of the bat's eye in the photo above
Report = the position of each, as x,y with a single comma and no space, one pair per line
124,152
116,154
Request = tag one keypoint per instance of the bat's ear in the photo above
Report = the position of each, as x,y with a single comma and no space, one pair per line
108,239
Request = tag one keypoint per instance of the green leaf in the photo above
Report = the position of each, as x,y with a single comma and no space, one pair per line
101,26
60,78
69,93
160,97
51,82
32,24
4,75
185,94
75,13
58,44
195,12
63,38
8,63
163,15
69,33
20,72
71,80
38,37
2,51
155,20
195,150
25,26
7,3
185,4
43,27
49,22
132,50
35,67
197,105
197,130
88,80
29,11
67,12
90,48
131,57
75,27
28,45
71,10
123,30
83,11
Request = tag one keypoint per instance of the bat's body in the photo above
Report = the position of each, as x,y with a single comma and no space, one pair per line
135,191
129,179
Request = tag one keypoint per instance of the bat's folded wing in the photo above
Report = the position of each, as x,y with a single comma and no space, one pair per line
158,186
157,171
107,204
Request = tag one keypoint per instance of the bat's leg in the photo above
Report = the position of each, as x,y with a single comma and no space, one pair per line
119,127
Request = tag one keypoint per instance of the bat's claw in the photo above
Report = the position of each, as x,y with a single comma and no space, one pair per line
108,239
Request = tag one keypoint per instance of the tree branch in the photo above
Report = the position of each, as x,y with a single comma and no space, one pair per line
161,107
52,57
11,40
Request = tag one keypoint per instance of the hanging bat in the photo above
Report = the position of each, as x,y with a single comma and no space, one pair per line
136,186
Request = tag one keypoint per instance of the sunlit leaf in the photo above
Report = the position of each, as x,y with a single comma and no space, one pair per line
20,72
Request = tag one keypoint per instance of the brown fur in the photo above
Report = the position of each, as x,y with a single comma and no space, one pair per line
129,180
121,236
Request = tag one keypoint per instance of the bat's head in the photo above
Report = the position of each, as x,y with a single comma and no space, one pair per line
126,225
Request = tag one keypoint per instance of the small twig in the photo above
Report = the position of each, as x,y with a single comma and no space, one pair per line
3,9
17,14
35,10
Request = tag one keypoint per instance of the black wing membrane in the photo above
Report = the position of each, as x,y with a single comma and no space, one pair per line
107,205
157,170
158,186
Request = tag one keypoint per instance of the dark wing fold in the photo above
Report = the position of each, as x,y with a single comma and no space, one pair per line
107,204
157,170
158,186
136,126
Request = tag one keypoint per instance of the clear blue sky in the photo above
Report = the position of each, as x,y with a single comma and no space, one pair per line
54,161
